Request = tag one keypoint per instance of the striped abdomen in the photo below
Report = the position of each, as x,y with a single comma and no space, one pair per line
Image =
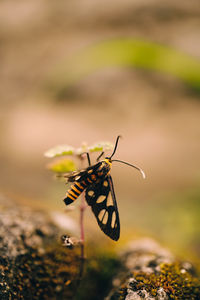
82,182
74,192
77,188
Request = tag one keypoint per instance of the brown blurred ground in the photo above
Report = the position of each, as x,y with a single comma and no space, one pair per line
157,115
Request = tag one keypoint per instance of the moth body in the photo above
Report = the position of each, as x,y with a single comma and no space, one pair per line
85,178
99,192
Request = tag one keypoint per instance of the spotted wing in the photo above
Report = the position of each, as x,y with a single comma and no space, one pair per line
76,176
82,174
101,197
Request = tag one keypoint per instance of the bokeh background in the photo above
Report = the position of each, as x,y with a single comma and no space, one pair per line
59,85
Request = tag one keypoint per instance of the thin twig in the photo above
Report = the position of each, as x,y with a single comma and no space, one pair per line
82,234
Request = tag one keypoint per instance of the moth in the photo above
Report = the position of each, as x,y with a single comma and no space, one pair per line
97,183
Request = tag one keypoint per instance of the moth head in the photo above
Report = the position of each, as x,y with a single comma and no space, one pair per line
109,159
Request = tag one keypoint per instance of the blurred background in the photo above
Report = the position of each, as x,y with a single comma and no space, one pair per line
68,75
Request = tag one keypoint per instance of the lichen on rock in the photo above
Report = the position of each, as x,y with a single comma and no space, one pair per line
153,273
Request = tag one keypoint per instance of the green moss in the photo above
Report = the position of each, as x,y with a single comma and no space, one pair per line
37,276
177,282
55,275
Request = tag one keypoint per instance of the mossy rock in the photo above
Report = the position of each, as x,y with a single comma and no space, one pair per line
155,274
35,265
33,262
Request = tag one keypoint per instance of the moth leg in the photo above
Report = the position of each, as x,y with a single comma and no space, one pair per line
88,158
98,158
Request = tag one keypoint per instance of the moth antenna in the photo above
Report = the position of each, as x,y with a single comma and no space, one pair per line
116,143
137,168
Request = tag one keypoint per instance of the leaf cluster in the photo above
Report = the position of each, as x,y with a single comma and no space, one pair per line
65,164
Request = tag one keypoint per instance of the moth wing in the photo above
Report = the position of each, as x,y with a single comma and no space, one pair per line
81,175
76,176
101,197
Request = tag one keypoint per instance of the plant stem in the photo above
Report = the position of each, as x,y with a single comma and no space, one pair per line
82,235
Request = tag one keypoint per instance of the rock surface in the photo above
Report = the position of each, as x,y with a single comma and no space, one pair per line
153,273
33,263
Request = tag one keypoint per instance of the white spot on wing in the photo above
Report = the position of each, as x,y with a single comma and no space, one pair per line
101,214
105,183
101,199
105,218
109,200
90,193
113,219
90,171
77,177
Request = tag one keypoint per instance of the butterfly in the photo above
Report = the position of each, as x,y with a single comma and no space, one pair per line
99,192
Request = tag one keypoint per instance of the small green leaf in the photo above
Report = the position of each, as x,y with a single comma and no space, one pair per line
62,166
102,146
59,150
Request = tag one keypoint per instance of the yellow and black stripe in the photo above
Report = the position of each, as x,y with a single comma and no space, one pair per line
75,190
78,187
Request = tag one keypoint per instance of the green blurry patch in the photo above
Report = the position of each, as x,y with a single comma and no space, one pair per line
98,147
65,165
59,150
125,53
62,166
171,217
100,269
103,146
